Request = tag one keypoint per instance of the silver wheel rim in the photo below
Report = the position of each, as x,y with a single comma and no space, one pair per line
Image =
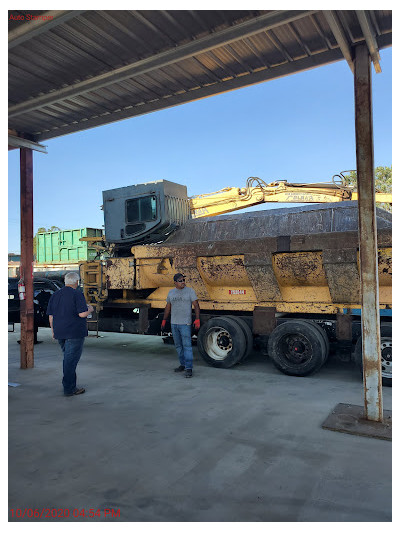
386,357
218,343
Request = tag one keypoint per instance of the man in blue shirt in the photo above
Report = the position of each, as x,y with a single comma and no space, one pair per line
67,310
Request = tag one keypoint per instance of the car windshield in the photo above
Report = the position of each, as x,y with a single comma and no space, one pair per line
38,284
44,283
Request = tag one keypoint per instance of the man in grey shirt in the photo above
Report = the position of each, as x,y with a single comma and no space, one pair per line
179,304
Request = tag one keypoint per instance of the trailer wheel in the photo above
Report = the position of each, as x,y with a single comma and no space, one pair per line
386,355
297,348
321,332
248,336
221,342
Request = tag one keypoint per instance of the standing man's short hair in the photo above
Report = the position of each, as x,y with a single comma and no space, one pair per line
71,278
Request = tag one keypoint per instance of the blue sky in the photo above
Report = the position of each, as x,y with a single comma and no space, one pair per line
299,128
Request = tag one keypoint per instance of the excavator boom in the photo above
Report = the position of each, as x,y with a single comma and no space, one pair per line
236,198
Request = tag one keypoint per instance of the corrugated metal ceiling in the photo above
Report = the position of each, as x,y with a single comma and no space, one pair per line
74,70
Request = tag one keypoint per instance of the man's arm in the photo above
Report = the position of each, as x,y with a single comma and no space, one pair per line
86,313
51,325
196,309
196,306
167,312
80,303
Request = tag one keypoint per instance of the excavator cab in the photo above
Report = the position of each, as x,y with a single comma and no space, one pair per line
144,213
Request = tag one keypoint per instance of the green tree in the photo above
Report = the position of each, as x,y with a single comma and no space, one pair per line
383,182
44,230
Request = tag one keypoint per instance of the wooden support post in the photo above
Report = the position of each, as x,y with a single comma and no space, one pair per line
26,307
367,236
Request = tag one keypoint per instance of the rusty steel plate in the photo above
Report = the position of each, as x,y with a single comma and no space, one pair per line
348,418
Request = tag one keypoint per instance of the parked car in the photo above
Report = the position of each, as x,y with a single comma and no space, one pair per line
58,283
42,290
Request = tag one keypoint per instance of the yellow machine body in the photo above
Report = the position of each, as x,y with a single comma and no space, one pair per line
317,273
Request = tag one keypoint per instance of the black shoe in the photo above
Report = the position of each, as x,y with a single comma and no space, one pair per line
180,368
188,373
76,392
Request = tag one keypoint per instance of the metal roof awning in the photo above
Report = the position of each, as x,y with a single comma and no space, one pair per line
74,70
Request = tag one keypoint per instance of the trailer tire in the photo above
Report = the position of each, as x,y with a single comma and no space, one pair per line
386,355
248,335
321,331
297,348
221,342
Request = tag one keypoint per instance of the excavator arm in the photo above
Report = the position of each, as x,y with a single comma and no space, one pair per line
258,192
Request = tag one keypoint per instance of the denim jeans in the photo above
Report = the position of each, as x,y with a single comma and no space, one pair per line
182,335
72,350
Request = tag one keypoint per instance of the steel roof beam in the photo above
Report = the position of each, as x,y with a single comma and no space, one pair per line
31,29
340,36
179,53
18,142
370,40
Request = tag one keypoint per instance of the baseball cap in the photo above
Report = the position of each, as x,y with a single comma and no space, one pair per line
178,276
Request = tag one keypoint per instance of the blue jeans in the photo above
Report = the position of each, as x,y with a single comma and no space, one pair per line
72,350
182,335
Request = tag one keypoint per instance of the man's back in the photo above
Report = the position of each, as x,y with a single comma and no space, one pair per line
65,306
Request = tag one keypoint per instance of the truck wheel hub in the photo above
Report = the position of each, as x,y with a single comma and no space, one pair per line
386,357
224,341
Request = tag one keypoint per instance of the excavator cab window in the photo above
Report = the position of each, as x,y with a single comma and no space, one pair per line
142,209
139,211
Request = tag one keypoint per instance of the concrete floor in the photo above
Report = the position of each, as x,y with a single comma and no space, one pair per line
235,445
